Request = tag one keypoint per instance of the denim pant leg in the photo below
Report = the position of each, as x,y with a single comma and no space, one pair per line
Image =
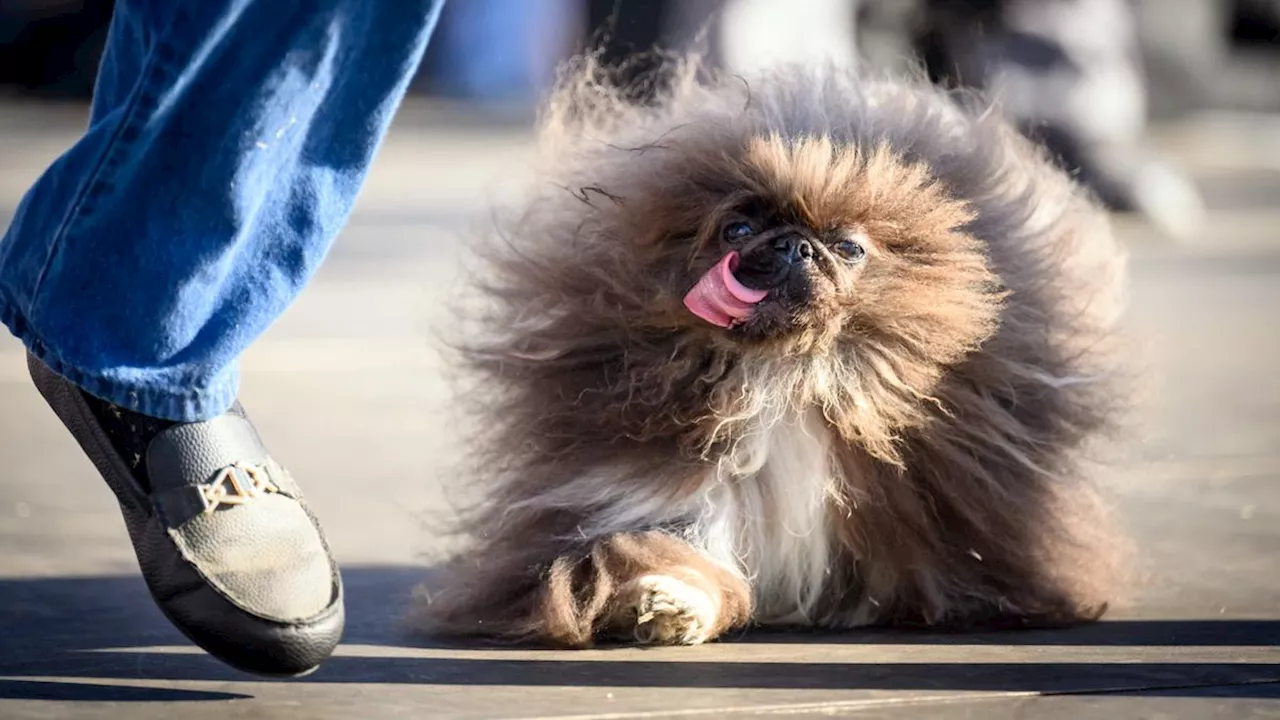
226,144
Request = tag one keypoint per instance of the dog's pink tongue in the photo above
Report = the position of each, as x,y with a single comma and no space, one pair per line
719,298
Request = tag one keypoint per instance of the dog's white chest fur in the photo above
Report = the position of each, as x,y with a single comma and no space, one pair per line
767,515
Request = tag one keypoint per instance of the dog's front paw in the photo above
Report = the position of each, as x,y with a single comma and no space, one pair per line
662,610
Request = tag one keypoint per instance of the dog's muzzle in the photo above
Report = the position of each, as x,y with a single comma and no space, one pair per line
771,262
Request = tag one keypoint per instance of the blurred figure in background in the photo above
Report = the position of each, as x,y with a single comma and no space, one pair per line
501,53
1069,71
755,34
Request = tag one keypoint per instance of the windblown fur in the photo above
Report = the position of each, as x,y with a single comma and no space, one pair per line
909,449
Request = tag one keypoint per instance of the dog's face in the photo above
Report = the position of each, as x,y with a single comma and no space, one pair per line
808,273
803,245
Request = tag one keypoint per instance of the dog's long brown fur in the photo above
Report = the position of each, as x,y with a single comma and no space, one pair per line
948,393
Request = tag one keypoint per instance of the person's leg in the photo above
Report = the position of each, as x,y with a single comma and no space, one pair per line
1070,71
227,141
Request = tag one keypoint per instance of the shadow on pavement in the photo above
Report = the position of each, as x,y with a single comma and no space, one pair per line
91,692
90,628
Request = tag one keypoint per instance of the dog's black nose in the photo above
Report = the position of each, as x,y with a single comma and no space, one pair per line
793,248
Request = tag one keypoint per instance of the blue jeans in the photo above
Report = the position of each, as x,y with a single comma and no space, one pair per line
226,143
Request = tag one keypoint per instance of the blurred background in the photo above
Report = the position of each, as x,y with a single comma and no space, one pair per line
1197,53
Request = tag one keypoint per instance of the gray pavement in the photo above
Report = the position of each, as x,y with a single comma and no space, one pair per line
349,393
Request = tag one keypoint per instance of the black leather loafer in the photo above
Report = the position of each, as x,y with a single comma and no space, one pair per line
227,546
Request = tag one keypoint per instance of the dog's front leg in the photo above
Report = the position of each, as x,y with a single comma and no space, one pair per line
646,587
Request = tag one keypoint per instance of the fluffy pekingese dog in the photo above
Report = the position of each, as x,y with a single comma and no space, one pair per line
807,349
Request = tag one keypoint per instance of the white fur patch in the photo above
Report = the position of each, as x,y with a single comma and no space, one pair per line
767,516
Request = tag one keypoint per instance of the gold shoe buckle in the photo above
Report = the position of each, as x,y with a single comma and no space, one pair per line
238,484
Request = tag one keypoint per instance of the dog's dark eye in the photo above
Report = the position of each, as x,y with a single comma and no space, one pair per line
738,231
850,250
